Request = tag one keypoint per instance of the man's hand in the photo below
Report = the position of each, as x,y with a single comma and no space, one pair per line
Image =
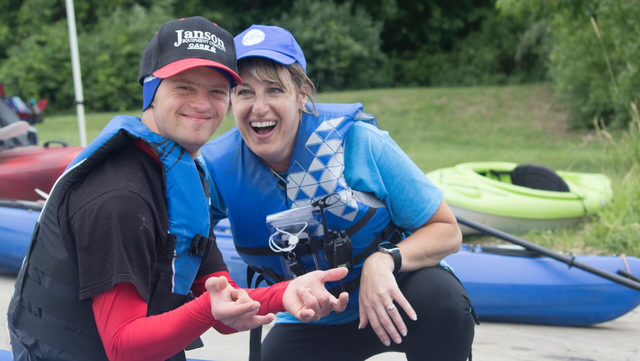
307,299
234,307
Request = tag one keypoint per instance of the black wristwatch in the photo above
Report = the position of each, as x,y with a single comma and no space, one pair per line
394,251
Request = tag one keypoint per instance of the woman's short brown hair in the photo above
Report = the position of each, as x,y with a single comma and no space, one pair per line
267,70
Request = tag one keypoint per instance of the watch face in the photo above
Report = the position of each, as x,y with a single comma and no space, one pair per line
388,247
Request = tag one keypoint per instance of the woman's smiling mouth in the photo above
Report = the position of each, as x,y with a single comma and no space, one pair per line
264,127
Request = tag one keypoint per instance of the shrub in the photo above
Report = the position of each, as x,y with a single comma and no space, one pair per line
341,44
40,65
502,49
111,56
594,70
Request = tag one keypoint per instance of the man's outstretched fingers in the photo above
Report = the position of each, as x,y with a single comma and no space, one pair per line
312,310
340,304
216,284
334,274
260,321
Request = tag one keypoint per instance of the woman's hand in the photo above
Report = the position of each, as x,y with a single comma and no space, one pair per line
307,299
379,292
233,306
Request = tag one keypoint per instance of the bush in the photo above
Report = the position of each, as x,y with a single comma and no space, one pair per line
595,72
503,49
40,65
598,76
619,228
341,44
111,56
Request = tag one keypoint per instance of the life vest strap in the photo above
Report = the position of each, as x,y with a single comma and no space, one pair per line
63,271
86,347
348,287
262,272
389,231
255,343
201,246
72,311
361,222
392,232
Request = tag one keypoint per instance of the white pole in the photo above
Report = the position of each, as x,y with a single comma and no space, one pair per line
77,78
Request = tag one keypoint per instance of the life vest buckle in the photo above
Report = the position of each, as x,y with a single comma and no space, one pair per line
201,246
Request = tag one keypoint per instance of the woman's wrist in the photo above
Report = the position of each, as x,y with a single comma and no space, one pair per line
381,260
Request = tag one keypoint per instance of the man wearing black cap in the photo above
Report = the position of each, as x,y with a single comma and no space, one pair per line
125,240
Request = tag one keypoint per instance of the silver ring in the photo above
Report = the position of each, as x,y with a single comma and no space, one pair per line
391,307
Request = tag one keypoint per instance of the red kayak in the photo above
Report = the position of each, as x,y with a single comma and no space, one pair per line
24,168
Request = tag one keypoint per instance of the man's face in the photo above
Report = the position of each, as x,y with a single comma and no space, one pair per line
189,107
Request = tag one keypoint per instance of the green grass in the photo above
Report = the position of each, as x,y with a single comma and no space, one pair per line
441,127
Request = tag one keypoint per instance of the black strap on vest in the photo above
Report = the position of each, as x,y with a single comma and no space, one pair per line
73,311
391,231
255,343
312,247
348,287
255,335
201,245
82,346
361,222
64,272
262,272
68,310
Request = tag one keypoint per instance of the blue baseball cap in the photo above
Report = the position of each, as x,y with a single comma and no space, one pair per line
271,42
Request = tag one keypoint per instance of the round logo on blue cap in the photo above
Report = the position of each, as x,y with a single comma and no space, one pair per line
253,37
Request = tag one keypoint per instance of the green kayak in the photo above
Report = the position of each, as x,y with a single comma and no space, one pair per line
518,198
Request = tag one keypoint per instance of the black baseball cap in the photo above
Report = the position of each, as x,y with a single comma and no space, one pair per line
183,44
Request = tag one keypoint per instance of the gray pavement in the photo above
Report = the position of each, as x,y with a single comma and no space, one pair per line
617,340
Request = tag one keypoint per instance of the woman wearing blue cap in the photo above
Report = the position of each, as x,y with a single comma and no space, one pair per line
335,191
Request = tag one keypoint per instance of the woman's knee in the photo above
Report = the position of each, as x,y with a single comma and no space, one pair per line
435,294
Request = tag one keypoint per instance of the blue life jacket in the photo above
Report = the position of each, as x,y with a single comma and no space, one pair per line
45,315
251,192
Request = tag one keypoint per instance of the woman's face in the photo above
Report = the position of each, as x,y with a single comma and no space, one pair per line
268,116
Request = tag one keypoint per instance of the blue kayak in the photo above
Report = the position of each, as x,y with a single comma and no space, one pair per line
17,219
505,284
509,284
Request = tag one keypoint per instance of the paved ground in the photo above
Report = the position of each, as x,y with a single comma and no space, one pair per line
618,340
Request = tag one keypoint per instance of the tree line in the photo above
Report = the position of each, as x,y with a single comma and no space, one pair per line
348,45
